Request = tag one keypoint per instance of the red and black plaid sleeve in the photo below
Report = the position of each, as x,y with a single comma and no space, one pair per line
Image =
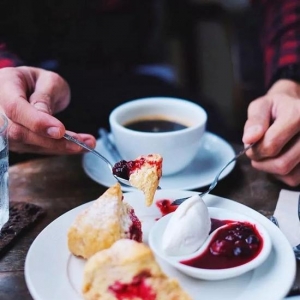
7,59
280,35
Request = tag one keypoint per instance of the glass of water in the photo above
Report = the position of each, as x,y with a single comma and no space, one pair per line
4,193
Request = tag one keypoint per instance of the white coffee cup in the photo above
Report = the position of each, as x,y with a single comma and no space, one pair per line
178,148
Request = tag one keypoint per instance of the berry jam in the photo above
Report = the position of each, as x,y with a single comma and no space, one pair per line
232,246
124,168
136,289
135,230
121,169
165,206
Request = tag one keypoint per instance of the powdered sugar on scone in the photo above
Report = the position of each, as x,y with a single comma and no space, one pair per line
102,209
105,221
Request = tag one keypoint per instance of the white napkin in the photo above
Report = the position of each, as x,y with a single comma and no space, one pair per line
286,213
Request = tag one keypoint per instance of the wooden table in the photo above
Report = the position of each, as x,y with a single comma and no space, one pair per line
59,184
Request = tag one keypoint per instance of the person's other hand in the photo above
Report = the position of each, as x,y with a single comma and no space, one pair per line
29,97
274,122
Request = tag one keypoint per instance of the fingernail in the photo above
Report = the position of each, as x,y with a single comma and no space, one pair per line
252,130
255,128
41,106
53,132
250,133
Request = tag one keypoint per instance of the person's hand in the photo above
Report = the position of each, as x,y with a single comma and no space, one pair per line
274,122
29,96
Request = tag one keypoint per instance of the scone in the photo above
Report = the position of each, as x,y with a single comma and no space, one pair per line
128,271
105,221
143,173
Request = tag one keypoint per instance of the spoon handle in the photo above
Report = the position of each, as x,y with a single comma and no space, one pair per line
85,146
216,179
109,145
214,183
72,139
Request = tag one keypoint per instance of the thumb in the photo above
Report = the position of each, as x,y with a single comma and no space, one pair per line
41,102
51,92
258,122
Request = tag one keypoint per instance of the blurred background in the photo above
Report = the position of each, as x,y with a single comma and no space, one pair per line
214,46
112,51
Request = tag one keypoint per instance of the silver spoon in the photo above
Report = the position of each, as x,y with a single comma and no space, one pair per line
85,146
214,183
109,145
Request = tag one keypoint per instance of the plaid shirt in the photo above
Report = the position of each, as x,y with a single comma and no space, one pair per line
280,35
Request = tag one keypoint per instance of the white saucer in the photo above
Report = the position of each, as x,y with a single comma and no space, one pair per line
213,154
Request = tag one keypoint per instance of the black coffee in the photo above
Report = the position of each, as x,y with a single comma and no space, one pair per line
155,125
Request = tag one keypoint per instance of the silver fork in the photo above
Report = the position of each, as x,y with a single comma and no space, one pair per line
216,180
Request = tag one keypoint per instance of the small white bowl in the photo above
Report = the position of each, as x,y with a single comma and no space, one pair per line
155,242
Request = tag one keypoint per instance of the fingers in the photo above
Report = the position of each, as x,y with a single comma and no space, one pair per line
291,179
88,139
16,83
23,140
283,130
29,97
51,93
258,122
286,166
24,114
279,120
274,122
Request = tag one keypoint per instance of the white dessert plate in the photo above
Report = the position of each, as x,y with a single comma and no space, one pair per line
156,236
213,154
51,272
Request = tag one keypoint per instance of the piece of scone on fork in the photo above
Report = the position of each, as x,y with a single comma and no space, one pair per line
143,173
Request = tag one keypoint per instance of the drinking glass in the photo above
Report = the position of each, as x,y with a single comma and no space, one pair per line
4,193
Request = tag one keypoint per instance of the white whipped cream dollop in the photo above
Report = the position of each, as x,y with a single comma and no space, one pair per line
188,228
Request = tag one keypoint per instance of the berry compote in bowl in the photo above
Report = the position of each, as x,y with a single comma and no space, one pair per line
236,244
